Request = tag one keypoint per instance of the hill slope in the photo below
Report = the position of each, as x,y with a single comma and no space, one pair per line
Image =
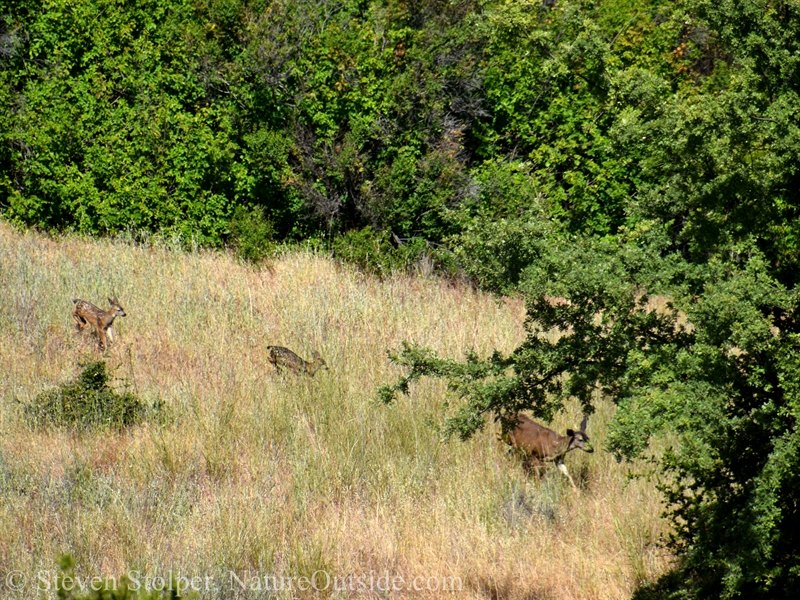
261,473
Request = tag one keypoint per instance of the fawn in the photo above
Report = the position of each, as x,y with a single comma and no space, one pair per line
283,357
539,445
86,313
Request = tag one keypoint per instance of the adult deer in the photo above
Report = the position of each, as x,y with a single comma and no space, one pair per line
539,445
283,357
86,313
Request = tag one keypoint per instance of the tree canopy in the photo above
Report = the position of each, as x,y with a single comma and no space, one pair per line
412,118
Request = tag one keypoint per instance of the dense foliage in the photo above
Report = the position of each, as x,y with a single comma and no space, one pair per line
629,166
413,118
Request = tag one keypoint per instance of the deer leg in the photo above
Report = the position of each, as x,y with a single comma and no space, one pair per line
80,322
535,466
101,338
563,468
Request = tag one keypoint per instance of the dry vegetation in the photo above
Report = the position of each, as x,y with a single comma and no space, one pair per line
263,473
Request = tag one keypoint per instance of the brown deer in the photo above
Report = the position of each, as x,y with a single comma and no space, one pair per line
283,357
86,313
539,445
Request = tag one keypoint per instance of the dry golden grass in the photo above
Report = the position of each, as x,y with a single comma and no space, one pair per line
265,474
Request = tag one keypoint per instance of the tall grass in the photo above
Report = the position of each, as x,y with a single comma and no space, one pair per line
261,473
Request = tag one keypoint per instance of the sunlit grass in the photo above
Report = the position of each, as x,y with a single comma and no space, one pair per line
262,473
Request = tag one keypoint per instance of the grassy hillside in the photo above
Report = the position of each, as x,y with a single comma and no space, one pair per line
261,473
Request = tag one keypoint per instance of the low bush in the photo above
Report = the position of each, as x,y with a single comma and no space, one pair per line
380,253
88,402
252,235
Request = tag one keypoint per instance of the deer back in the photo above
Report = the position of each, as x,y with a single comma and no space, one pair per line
100,319
536,440
543,443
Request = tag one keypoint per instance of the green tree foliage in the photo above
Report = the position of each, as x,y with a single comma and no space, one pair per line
112,126
252,235
724,168
687,317
329,116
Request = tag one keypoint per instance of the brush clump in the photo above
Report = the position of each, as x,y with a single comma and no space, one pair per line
87,402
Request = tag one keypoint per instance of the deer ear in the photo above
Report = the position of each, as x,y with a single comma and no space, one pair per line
110,301
584,423
570,433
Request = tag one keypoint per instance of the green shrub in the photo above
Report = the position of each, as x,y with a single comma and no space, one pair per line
373,252
495,254
88,402
381,253
252,235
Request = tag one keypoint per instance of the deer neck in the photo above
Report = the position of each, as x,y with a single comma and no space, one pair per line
312,367
561,447
108,318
